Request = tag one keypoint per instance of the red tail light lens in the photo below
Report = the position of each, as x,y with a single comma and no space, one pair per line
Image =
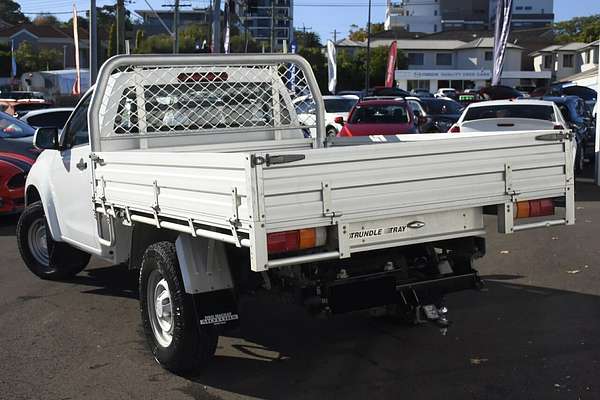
558,127
535,208
283,242
454,129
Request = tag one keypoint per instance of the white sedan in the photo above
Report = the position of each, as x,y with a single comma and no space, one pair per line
335,106
510,115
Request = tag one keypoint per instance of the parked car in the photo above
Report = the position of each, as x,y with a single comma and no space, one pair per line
20,94
20,107
379,117
579,119
441,113
381,91
421,93
418,111
16,159
48,118
335,106
499,92
509,115
12,129
446,92
525,90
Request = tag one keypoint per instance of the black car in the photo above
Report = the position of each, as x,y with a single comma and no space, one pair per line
441,114
500,92
581,122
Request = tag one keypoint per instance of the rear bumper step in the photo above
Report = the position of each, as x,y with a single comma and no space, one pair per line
360,294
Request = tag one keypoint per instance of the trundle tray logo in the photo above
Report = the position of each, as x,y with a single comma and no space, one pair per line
374,232
218,319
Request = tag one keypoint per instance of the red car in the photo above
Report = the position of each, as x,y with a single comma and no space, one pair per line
16,159
379,117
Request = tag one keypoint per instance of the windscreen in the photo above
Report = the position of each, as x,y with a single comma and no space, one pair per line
380,114
339,105
527,111
443,107
13,128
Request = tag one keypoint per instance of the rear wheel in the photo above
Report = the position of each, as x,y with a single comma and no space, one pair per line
43,256
579,159
176,339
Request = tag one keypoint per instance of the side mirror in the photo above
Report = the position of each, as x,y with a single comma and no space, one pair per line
339,120
46,138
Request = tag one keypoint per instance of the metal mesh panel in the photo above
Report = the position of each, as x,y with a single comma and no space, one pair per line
156,100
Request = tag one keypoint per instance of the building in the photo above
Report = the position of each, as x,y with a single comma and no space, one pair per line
527,13
4,24
266,19
152,25
465,14
413,15
566,60
48,37
433,64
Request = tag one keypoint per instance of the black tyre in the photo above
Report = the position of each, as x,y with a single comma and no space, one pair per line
331,132
176,340
42,255
579,159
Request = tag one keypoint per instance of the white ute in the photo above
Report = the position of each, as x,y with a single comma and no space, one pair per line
195,170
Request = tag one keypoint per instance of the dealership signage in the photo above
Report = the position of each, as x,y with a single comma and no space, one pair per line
465,74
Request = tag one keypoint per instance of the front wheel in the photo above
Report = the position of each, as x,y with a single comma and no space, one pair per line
331,132
176,339
43,256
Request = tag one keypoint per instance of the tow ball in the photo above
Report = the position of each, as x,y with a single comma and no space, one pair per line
432,313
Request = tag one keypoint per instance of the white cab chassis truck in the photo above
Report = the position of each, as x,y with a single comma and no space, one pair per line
197,171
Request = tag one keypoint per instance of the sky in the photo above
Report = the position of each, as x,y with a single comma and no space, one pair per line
320,16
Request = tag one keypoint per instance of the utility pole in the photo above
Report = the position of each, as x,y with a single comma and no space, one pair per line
120,26
93,48
216,26
368,69
176,27
272,26
304,29
335,32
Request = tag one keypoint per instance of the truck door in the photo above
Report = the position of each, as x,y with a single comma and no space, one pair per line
73,182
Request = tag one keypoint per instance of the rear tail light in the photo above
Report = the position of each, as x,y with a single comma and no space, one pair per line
535,208
283,242
558,127
454,129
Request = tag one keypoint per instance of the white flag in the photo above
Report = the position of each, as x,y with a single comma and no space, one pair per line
77,85
332,66
503,17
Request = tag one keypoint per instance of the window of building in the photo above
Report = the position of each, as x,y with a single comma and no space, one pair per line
443,59
518,8
547,62
568,60
415,59
416,84
489,56
435,13
528,8
435,27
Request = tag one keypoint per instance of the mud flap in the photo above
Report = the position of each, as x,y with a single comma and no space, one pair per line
218,308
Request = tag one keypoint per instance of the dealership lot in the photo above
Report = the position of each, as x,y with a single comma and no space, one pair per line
533,332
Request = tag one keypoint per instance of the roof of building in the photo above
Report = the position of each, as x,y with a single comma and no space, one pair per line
485,43
590,73
575,46
45,31
398,33
411,44
345,42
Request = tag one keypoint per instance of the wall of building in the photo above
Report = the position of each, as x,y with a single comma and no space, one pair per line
414,16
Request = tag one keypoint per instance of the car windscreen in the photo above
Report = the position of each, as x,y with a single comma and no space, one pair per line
380,114
529,111
13,128
339,105
443,107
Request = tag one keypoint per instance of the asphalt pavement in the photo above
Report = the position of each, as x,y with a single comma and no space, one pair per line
533,332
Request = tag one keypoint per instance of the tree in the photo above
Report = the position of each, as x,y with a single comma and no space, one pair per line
112,40
26,57
139,38
578,29
360,34
10,11
46,19
307,39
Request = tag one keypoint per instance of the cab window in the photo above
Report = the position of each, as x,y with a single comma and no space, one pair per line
76,132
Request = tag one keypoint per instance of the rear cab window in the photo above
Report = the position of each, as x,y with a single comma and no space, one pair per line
380,114
527,111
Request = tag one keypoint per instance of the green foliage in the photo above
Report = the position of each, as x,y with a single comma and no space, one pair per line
46,19
578,29
139,38
308,39
360,34
318,62
29,59
112,40
10,11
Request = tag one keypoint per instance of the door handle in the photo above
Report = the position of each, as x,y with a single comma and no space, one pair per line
81,165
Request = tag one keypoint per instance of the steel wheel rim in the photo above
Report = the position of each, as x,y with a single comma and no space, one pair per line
38,242
160,309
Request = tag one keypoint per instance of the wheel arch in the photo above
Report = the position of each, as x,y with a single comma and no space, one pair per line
142,236
33,194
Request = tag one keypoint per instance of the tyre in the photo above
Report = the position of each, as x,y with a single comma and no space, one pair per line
331,132
579,159
43,256
176,340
